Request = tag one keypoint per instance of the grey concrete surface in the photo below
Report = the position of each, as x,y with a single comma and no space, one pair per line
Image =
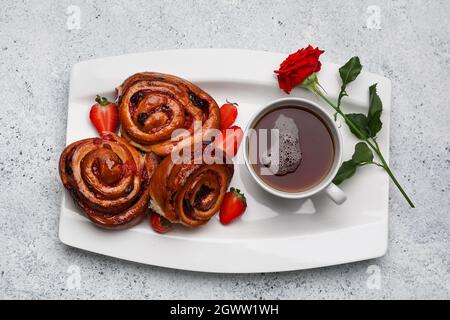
37,51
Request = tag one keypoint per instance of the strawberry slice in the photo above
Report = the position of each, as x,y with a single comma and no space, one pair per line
159,223
104,115
233,206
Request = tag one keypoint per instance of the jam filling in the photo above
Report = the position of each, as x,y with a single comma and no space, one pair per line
134,101
187,120
202,193
135,98
128,168
95,168
197,101
187,207
142,117
144,176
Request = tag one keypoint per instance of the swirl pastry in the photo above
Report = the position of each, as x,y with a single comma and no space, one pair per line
189,193
108,179
154,105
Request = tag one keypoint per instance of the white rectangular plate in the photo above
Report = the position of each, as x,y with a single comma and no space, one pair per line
273,234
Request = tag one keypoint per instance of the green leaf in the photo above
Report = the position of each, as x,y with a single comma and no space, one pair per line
350,71
361,122
348,168
346,171
362,154
375,108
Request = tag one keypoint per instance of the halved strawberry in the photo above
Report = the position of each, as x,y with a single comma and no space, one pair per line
104,115
229,140
233,206
228,114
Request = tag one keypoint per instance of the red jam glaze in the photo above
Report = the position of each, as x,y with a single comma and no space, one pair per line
128,169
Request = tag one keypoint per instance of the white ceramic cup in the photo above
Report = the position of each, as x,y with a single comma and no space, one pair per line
326,185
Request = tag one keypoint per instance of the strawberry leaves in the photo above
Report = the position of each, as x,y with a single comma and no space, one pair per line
102,100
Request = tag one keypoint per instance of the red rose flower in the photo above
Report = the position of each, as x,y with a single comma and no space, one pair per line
298,67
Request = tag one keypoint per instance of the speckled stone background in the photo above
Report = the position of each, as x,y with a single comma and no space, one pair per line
36,54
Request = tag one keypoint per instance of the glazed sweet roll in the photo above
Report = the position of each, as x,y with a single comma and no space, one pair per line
154,105
108,179
189,193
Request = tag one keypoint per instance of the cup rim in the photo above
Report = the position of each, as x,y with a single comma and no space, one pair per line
336,134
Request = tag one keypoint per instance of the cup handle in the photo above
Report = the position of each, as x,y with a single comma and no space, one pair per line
336,194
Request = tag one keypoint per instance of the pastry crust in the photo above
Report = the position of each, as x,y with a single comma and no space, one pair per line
108,179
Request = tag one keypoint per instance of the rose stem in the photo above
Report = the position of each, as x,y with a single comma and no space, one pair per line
373,145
